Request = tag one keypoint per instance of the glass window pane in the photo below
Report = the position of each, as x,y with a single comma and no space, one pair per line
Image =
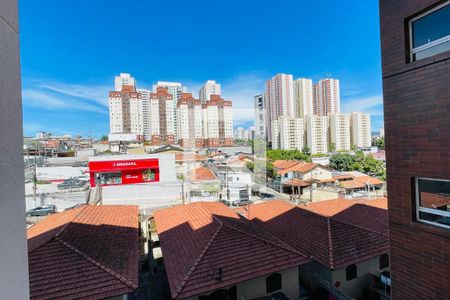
434,194
431,27
434,218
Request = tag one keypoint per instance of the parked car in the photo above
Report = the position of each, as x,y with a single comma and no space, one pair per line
44,210
242,202
80,164
71,183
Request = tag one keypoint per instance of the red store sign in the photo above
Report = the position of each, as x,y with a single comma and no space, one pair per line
113,172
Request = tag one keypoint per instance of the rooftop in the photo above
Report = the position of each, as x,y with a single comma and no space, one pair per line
334,237
202,174
90,252
206,246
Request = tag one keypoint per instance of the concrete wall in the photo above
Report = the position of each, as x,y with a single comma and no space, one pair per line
13,247
355,287
256,288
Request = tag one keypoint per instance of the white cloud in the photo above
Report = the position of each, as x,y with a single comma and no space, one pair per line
47,101
96,93
372,105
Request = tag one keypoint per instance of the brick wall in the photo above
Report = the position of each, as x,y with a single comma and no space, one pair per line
417,133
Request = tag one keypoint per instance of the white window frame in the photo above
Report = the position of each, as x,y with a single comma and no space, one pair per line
432,44
429,210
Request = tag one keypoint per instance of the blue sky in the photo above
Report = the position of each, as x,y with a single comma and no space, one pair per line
71,51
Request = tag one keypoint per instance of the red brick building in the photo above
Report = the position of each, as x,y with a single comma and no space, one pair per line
415,40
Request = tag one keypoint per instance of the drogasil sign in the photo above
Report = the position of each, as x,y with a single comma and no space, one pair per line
124,164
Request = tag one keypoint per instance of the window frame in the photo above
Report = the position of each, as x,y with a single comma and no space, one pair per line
380,260
432,211
432,44
272,277
347,272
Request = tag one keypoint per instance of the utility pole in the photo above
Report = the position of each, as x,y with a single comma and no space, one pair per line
35,176
311,188
226,183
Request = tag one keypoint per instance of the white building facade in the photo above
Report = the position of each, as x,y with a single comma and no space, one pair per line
317,134
279,99
175,89
190,125
217,122
340,131
361,131
123,79
303,97
125,111
288,133
209,88
326,97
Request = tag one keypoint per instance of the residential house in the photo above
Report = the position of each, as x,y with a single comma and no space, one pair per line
203,184
347,241
222,257
89,252
338,247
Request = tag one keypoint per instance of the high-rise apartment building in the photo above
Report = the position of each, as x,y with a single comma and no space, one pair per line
125,111
241,134
361,131
317,134
217,122
175,89
209,88
382,132
123,79
326,97
288,133
339,125
303,97
161,128
260,116
416,92
279,98
190,125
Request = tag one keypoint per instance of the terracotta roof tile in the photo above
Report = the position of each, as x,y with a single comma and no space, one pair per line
301,167
296,182
207,246
284,164
189,157
335,241
431,200
90,252
352,184
202,174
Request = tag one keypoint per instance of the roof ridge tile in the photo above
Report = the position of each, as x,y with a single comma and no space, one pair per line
97,264
293,250
202,254
70,222
330,243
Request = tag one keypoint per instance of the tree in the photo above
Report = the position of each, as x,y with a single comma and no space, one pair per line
342,162
104,138
379,142
306,151
332,147
270,170
250,165
358,162
277,154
